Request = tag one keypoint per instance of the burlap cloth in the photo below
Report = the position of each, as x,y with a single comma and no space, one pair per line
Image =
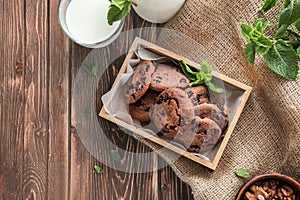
267,135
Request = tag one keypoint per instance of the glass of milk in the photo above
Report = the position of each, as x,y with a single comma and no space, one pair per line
157,11
85,22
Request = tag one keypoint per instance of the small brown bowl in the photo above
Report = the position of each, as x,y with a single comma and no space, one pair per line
274,176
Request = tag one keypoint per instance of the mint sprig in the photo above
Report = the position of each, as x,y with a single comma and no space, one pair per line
118,10
281,50
201,77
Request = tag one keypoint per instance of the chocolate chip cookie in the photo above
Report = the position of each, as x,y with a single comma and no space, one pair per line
167,76
200,135
212,111
217,98
140,109
139,82
198,94
172,111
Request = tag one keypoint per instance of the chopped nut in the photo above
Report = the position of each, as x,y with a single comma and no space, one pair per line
271,193
261,190
284,192
253,188
250,196
280,195
288,188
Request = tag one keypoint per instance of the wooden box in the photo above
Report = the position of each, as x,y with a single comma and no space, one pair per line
216,154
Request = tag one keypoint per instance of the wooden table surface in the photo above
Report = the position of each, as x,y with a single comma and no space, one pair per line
41,155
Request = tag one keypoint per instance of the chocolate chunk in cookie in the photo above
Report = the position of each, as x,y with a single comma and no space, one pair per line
173,110
168,76
139,82
200,135
140,109
215,112
197,94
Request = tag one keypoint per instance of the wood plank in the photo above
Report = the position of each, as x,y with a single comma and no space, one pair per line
59,107
170,186
12,32
81,168
36,133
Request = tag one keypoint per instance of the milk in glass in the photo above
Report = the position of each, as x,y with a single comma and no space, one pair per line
87,20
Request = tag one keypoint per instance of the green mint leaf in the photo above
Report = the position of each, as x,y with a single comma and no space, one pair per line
246,30
197,82
205,67
282,59
297,25
88,110
262,45
187,71
200,77
281,32
286,3
260,25
266,24
190,71
298,51
242,173
119,3
92,70
255,34
88,69
123,5
290,14
214,88
269,4
95,68
207,78
98,169
115,13
250,52
291,32
115,155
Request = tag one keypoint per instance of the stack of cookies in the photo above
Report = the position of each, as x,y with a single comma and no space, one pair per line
160,95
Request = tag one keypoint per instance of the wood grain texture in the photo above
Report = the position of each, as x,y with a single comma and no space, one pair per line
12,59
171,187
81,166
41,154
36,132
59,108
